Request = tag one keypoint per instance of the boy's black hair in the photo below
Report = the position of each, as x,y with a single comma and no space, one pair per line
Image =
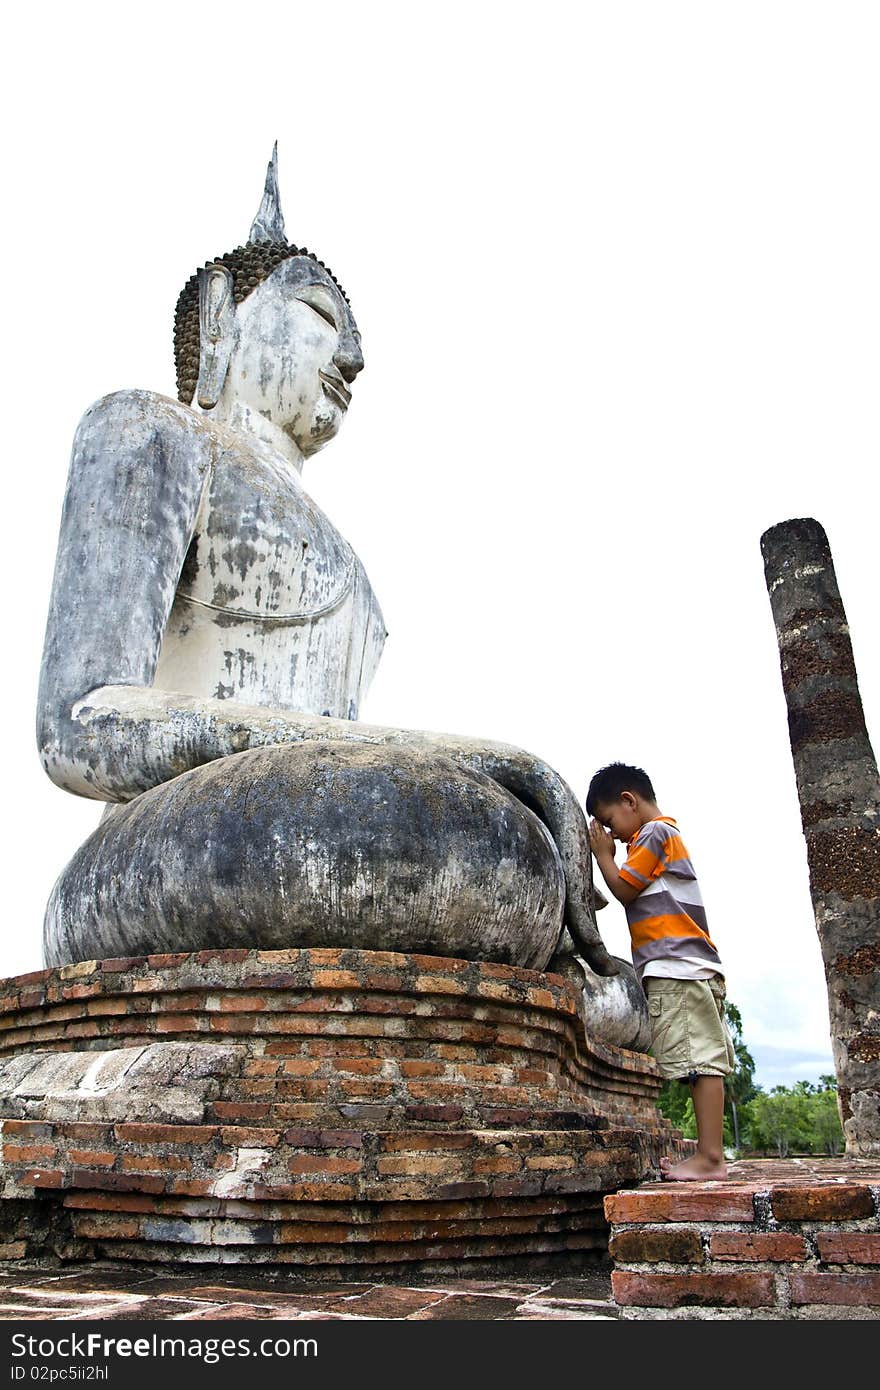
609,782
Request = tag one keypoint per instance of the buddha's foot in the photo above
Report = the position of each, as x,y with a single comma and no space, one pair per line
695,1169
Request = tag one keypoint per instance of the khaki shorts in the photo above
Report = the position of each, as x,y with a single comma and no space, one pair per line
689,1037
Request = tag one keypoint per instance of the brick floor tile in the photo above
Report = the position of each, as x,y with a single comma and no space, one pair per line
104,1292
98,1313
11,1312
269,1298
90,1281
387,1301
552,1307
153,1310
596,1286
468,1307
558,1314
512,1288
43,1297
217,1312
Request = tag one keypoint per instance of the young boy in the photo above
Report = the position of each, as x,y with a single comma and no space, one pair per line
675,959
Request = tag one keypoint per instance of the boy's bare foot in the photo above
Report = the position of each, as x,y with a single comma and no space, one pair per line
695,1169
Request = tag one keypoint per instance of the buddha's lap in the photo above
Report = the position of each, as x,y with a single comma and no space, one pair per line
315,844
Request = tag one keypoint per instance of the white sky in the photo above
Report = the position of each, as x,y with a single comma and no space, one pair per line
616,271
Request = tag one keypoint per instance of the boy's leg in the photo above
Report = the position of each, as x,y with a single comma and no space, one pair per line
689,1041
708,1162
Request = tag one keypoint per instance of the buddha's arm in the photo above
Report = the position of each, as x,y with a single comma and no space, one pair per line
136,478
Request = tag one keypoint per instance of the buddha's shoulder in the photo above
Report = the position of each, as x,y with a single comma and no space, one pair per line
140,404
132,417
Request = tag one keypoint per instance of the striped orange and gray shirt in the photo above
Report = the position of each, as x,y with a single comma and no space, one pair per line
667,921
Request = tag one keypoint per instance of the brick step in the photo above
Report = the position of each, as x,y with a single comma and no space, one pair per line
238,1161
471,1001
426,1257
352,1213
257,1229
775,1241
309,1083
330,1029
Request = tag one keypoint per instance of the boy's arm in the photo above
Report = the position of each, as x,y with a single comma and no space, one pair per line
602,846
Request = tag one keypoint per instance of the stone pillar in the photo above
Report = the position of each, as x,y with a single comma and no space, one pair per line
839,793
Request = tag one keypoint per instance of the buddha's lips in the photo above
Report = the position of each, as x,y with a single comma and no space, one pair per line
336,389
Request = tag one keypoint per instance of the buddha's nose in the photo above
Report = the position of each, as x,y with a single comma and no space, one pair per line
348,357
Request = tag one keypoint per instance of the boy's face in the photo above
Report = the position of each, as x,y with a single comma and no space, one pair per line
621,817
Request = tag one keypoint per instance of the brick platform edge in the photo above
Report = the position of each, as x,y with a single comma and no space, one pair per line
793,1239
315,1108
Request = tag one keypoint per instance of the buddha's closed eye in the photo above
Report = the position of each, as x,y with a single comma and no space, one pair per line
321,304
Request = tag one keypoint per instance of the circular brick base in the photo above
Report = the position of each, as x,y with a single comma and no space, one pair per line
319,1108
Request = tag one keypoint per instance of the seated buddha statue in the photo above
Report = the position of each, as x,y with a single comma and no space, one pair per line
210,639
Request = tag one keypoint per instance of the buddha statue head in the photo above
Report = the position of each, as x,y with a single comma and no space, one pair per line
268,327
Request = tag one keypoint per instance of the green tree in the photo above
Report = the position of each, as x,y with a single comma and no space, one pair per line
828,1136
827,1129
802,1118
780,1120
676,1104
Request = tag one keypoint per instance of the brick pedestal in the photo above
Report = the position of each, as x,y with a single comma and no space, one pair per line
316,1108
778,1240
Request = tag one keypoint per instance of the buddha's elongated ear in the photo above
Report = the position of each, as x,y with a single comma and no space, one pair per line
216,332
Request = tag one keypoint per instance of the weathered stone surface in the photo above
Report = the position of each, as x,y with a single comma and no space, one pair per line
167,1082
316,846
616,1007
839,792
331,1046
